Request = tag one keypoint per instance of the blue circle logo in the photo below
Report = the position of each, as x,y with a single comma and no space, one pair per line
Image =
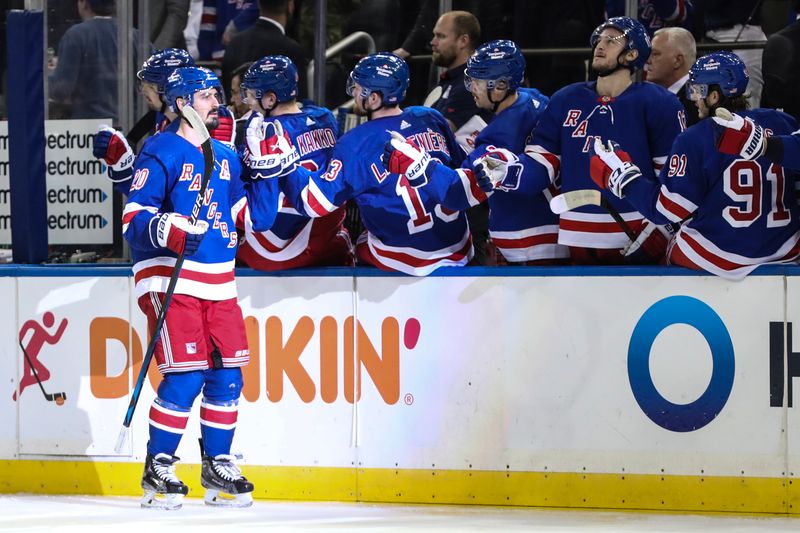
694,313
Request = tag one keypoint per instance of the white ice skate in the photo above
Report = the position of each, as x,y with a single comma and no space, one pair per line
162,488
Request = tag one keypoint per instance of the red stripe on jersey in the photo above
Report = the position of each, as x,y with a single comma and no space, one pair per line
268,246
209,414
315,205
720,262
554,161
129,216
192,275
476,191
172,421
674,208
596,227
416,262
527,242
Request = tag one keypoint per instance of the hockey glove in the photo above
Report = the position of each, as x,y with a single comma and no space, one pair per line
112,147
226,130
403,157
269,151
611,168
498,168
176,232
740,136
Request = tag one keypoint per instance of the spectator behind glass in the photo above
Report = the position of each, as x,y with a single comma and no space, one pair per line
673,54
730,21
266,37
84,74
167,21
782,69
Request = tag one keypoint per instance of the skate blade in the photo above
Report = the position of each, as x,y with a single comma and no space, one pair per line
166,502
222,499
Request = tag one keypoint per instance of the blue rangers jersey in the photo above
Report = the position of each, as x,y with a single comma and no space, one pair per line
520,221
738,214
167,178
313,133
406,228
645,119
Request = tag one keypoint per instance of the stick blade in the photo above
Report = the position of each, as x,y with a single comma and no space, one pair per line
123,439
574,199
723,113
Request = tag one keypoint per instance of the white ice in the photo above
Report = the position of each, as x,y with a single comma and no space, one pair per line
117,515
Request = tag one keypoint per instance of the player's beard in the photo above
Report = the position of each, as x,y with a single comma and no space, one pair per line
211,122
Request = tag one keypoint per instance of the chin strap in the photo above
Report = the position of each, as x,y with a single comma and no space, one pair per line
496,104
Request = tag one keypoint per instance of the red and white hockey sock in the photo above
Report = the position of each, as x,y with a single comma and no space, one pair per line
217,425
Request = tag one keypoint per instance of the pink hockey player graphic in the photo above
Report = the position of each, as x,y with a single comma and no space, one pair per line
34,371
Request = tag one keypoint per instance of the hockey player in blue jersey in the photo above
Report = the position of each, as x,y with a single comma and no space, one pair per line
406,229
521,225
111,145
642,116
203,343
269,87
736,213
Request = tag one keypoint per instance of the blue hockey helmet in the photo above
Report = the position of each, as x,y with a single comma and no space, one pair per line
382,72
495,61
635,34
186,81
276,74
725,69
157,68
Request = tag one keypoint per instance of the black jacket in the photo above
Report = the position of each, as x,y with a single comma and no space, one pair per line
262,39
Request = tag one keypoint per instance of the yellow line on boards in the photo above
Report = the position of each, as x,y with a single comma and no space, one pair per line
748,495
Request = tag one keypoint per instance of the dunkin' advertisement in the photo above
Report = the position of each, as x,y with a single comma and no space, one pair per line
522,374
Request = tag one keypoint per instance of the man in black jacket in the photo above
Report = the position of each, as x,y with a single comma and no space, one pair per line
266,37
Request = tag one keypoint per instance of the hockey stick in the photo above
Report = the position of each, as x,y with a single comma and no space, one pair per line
58,397
573,199
208,160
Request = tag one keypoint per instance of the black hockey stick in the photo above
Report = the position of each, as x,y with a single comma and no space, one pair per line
208,160
573,199
141,128
58,397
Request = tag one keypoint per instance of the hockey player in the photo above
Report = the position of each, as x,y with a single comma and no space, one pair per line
203,343
112,146
521,225
406,229
269,87
641,116
736,213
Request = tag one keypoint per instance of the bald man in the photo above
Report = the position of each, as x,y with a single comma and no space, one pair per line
674,53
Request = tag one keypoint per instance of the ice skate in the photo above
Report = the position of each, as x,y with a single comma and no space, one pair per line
162,488
224,483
